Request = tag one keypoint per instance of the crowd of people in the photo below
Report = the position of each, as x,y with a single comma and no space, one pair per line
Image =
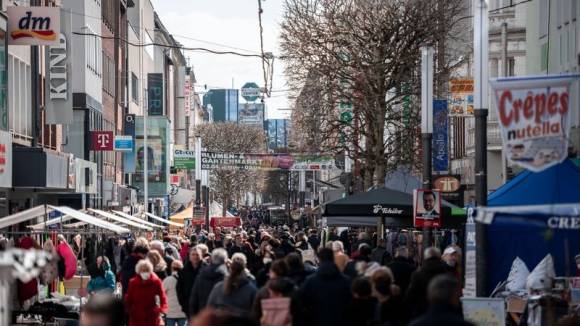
273,276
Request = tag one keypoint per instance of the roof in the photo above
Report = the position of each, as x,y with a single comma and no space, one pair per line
558,184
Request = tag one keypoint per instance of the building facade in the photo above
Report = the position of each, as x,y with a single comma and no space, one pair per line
224,104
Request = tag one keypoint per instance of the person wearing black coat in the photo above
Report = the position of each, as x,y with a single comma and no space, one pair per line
207,278
187,277
402,268
297,269
416,297
444,303
362,309
326,294
128,268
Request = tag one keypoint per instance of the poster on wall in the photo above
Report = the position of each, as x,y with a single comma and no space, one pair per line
155,93
461,97
426,208
157,169
440,136
534,118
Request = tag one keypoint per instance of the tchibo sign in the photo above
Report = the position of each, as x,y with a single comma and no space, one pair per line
33,25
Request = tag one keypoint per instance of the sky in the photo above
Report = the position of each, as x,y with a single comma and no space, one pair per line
232,23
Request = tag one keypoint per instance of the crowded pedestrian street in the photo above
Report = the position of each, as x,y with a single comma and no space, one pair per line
289,163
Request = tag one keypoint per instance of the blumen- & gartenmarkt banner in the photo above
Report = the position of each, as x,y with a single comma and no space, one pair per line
534,118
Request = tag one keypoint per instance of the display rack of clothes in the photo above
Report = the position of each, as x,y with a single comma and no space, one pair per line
413,240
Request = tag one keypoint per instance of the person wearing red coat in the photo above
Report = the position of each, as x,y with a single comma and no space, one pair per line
145,299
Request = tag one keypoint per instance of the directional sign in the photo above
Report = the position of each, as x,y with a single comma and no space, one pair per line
250,92
123,143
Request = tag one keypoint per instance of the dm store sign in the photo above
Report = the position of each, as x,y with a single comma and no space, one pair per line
33,25
534,119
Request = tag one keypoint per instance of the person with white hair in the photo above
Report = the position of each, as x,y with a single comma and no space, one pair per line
236,292
208,277
145,300
340,258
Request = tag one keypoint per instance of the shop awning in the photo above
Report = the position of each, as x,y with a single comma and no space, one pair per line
90,219
162,220
23,216
184,214
120,219
138,220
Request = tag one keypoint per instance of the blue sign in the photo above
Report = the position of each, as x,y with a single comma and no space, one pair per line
124,143
129,156
440,136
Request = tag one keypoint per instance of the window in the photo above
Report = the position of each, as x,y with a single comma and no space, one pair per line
543,18
134,88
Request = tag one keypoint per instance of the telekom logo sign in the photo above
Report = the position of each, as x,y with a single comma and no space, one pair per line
102,140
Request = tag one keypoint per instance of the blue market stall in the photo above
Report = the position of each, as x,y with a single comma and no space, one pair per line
533,215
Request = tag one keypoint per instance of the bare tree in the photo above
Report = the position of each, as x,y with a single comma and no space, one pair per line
230,185
362,54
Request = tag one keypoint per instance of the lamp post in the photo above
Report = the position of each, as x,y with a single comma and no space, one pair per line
480,99
427,124
205,191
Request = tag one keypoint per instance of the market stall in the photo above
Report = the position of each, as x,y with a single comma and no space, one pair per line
533,215
394,207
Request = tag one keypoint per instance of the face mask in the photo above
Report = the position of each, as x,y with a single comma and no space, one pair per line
145,276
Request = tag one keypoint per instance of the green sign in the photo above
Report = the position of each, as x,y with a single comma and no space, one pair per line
250,92
183,160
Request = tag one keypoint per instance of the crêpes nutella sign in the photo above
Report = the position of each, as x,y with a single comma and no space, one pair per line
533,114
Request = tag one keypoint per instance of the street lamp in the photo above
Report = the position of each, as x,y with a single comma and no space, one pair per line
480,99
427,111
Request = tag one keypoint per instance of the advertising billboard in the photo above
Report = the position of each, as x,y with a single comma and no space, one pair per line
534,119
157,145
155,93
461,97
251,114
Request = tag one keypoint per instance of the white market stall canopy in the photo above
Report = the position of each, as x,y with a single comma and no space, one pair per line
23,216
120,219
162,220
56,220
138,220
42,210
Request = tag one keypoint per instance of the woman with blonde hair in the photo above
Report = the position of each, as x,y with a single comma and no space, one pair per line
159,264
145,299
340,258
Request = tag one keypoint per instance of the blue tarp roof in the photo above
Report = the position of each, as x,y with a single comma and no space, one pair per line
558,184
527,235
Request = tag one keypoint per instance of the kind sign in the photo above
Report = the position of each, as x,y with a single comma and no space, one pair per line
533,115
